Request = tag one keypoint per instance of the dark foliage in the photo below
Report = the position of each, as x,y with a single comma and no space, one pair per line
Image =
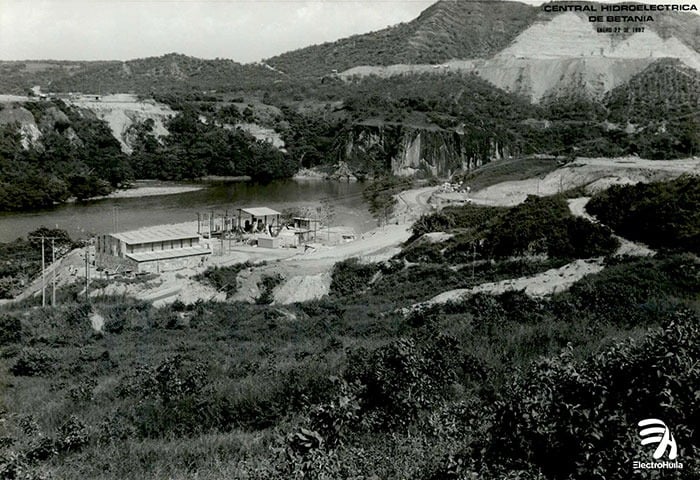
10,329
224,278
664,215
399,380
571,418
544,225
350,277
33,362
381,195
267,286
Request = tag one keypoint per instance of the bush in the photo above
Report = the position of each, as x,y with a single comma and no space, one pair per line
402,378
267,286
73,435
544,225
32,362
10,329
223,278
663,215
633,292
352,277
451,218
565,417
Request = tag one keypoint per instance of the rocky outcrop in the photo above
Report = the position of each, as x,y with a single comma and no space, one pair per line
409,150
14,114
121,111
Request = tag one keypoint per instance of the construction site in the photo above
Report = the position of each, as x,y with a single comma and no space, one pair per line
302,250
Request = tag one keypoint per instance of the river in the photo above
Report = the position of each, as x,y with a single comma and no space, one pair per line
83,219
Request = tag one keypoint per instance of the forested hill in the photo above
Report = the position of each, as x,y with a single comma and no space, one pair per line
465,29
665,91
446,30
52,151
164,74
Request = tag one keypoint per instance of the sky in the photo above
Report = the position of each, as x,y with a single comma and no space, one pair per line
242,30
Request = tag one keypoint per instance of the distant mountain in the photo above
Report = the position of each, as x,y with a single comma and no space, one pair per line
519,48
164,74
446,30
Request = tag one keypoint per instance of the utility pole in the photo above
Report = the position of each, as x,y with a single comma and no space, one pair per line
43,267
473,259
53,263
87,272
43,275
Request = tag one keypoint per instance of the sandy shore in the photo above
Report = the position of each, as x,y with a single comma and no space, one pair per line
146,191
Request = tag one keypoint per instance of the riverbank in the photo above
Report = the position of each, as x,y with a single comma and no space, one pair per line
147,188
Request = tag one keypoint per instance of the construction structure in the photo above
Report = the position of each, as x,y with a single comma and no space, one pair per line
305,229
153,249
259,220
247,220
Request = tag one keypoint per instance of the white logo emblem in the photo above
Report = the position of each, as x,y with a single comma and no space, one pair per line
656,431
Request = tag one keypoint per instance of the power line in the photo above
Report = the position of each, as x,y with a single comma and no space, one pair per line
43,267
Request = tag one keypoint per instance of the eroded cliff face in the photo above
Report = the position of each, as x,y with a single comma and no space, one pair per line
121,111
408,150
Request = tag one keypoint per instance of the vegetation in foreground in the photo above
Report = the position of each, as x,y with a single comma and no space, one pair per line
494,386
663,214
342,388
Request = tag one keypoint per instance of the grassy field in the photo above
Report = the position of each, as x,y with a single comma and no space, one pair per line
509,170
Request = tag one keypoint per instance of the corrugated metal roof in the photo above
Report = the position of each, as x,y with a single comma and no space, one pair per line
260,211
158,233
168,254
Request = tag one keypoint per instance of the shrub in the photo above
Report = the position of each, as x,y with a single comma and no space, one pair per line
566,417
267,286
452,218
33,362
402,378
544,225
10,329
336,418
223,278
41,448
73,435
662,215
351,277
632,292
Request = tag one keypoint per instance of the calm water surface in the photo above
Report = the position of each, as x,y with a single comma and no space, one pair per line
99,216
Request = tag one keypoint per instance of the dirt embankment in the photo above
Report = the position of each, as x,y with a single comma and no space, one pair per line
121,111
594,174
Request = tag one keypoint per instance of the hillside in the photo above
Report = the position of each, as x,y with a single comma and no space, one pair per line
665,91
446,30
516,47
164,74
561,53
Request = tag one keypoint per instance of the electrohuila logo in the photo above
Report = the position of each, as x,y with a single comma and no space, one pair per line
655,432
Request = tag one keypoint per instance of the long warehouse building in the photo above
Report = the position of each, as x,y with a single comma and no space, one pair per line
153,249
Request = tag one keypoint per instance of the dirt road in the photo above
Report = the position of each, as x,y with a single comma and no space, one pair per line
594,174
